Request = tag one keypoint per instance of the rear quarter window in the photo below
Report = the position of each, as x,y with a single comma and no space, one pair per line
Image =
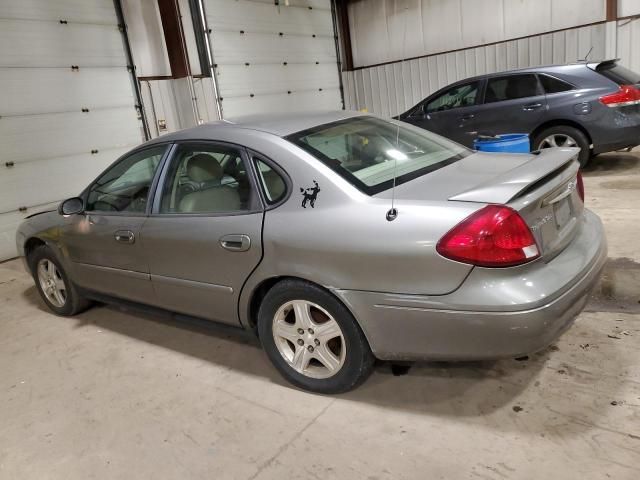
618,73
554,85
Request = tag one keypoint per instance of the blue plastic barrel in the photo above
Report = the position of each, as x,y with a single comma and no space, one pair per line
511,142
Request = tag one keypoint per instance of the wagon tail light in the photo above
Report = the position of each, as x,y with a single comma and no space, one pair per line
495,236
627,95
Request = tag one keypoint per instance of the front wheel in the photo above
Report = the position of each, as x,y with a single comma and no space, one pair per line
564,136
54,285
312,339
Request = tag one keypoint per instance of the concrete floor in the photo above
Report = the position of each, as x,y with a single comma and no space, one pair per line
120,394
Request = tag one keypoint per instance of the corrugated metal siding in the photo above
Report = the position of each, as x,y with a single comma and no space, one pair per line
394,88
629,43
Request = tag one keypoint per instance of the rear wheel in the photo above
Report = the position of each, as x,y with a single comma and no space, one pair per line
55,288
312,339
564,136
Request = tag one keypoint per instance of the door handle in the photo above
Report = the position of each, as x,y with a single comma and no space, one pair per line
236,242
125,236
531,106
468,116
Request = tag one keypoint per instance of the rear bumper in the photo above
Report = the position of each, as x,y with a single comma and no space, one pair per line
621,130
495,313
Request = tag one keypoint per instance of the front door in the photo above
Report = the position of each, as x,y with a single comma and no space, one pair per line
104,243
203,238
512,104
451,113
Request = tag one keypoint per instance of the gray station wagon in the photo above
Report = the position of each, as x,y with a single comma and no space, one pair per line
337,237
594,106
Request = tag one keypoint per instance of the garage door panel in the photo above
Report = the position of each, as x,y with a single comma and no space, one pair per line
261,48
303,101
35,183
75,90
253,16
89,11
38,137
50,44
295,77
9,223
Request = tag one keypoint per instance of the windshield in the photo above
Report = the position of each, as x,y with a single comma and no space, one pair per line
369,152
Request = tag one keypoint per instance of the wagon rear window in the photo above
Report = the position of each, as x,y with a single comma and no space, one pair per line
369,152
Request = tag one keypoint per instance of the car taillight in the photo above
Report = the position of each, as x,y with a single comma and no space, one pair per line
627,95
580,186
495,236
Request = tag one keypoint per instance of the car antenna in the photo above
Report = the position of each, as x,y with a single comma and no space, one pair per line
392,214
586,57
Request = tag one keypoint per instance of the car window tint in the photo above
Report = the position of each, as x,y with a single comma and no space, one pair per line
511,88
460,96
272,183
554,85
125,186
618,73
206,179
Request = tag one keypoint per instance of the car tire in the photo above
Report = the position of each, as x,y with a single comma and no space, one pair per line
334,359
565,136
54,285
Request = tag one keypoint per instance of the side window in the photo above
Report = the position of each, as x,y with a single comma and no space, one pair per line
511,88
272,183
554,85
125,186
460,96
206,179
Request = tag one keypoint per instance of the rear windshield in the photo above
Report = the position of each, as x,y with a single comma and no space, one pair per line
618,73
369,152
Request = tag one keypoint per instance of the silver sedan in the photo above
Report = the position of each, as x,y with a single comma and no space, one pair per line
338,238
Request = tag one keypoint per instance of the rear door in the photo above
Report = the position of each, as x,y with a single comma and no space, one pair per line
451,114
512,104
204,237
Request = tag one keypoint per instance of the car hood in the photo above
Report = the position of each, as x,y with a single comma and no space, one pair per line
484,177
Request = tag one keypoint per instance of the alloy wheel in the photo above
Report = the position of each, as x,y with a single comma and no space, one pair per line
558,140
51,283
309,339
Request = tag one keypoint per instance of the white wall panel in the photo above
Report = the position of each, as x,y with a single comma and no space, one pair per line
86,88
274,58
413,80
36,183
146,37
627,8
27,43
50,147
84,11
628,43
389,30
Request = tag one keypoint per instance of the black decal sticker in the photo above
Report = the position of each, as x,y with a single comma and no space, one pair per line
310,195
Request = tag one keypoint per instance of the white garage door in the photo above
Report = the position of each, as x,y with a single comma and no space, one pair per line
67,107
273,58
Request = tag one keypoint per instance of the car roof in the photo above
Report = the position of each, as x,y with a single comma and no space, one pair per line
280,124
541,68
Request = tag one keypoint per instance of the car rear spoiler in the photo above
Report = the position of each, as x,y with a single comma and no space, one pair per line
513,183
602,63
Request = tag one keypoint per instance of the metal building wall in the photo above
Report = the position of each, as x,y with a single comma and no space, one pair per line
628,43
394,88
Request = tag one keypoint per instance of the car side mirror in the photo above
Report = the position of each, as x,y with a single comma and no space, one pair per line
71,206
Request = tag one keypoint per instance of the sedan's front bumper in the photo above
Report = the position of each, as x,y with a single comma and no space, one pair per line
495,313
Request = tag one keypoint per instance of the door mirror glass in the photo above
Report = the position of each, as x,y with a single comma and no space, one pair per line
71,206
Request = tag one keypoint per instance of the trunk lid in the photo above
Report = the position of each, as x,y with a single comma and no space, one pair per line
542,187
